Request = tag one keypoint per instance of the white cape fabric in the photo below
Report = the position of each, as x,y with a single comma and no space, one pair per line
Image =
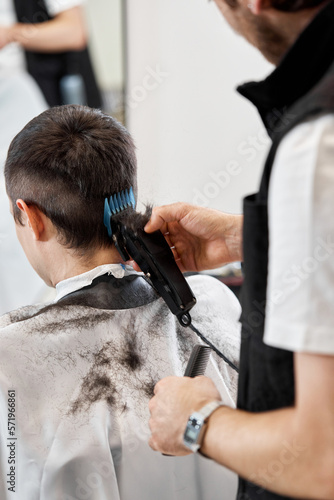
82,379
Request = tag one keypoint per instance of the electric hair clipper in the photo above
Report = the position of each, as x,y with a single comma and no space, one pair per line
152,254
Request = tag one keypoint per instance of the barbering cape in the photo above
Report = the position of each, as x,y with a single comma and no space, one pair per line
75,382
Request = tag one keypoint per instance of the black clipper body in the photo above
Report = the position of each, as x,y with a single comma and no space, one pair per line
154,257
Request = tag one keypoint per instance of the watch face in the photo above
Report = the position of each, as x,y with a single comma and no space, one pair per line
192,431
192,434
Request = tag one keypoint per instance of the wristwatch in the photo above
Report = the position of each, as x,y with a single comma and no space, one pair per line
194,433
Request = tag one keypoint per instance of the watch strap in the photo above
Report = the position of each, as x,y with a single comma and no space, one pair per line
197,421
209,408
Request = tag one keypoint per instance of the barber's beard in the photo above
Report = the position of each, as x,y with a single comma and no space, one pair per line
266,38
271,43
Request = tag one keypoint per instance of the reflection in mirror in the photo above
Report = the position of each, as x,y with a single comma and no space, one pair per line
105,20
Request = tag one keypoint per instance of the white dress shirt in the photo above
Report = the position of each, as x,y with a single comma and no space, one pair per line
300,307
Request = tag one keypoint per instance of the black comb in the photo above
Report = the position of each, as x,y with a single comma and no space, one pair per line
197,364
198,361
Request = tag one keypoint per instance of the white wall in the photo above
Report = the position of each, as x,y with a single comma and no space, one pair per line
188,122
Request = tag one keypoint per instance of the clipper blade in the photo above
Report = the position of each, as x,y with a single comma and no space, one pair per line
116,204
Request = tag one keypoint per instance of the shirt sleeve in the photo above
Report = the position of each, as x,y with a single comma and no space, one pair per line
300,294
57,6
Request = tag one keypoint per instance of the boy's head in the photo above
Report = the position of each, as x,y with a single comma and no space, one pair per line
66,162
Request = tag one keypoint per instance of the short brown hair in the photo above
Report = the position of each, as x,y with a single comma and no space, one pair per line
66,161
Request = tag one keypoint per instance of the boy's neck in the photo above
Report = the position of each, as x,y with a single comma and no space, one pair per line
68,263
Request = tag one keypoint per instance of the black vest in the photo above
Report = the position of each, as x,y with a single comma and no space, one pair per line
301,87
49,68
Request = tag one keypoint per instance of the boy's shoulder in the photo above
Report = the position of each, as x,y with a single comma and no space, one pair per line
18,315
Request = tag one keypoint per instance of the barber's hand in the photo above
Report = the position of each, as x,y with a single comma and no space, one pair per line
176,398
201,238
5,38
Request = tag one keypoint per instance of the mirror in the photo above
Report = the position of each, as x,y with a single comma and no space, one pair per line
106,26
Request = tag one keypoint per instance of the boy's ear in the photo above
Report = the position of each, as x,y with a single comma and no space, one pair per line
33,218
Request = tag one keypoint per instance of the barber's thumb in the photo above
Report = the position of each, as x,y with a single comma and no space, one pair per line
148,227
154,223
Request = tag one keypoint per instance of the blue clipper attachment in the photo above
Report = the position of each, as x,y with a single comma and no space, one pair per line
152,254
117,203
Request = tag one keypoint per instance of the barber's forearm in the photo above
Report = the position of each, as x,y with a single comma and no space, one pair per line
235,238
65,32
272,450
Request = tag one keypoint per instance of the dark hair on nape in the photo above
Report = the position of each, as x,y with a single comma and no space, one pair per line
287,5
66,161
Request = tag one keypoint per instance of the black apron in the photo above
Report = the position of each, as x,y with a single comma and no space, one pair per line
49,68
301,87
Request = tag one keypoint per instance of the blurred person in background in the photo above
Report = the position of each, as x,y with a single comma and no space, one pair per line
50,38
